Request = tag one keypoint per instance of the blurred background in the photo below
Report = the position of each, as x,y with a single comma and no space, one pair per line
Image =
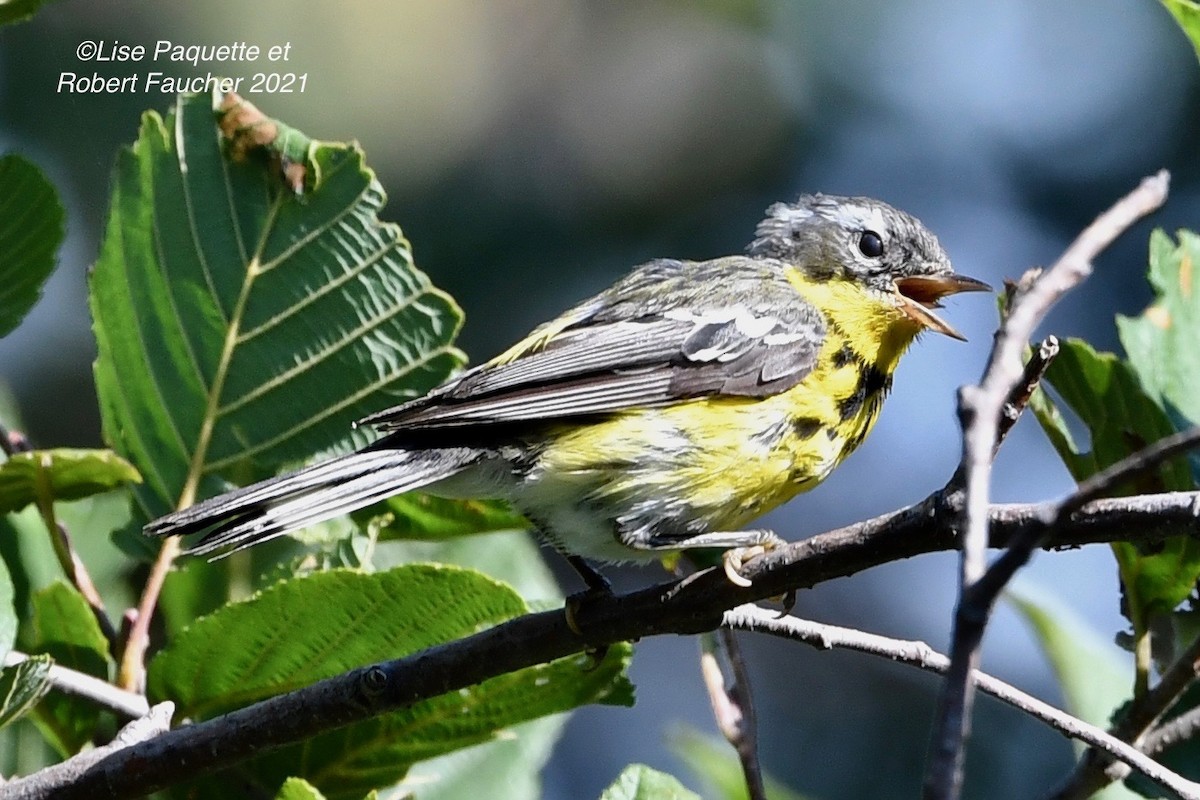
535,150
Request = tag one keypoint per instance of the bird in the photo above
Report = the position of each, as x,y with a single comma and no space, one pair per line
661,415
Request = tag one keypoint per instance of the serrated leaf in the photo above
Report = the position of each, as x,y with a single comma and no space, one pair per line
22,686
309,628
31,230
639,782
714,761
297,789
513,760
61,474
1121,419
64,627
305,629
421,516
1187,14
345,764
241,328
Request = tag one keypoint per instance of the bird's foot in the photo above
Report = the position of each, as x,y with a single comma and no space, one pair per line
733,560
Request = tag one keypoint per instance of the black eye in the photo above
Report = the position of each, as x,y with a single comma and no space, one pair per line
870,244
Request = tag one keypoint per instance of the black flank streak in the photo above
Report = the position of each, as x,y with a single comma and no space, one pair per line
871,382
843,356
806,427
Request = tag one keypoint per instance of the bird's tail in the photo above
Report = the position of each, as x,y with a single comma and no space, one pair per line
253,514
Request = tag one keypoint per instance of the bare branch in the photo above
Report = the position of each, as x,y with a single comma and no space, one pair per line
919,654
980,409
1172,732
131,674
1018,398
733,705
48,782
125,704
1137,724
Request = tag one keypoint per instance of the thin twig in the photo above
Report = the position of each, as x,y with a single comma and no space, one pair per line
103,693
1172,732
919,654
1035,369
64,549
733,704
1137,725
131,675
980,413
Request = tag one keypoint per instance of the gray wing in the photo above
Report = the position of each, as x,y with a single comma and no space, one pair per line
758,338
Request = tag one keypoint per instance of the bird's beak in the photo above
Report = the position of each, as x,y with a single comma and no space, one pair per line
920,293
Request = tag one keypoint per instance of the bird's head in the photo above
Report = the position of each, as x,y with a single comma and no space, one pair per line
869,242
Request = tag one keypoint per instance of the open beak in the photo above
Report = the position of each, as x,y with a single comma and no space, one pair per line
920,293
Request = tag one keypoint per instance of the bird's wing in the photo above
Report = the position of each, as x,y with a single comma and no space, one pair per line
756,338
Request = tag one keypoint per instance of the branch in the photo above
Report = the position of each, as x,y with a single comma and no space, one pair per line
103,693
733,706
1170,733
919,654
692,605
50,780
1139,723
980,410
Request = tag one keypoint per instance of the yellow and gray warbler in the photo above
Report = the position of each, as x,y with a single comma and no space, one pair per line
666,412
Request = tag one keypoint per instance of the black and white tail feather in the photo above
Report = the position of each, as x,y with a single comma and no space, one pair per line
278,506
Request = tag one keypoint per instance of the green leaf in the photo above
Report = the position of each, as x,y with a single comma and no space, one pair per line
309,628
714,761
1187,14
1094,675
242,328
22,686
64,627
514,761
8,611
639,782
417,515
60,474
1121,419
297,789
1161,343
31,228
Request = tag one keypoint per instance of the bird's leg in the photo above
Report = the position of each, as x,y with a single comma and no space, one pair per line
597,586
739,546
596,583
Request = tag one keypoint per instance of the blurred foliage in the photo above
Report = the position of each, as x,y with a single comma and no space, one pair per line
40,477
639,782
714,762
1187,14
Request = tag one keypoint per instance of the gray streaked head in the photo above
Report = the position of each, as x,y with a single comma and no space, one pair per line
867,241
855,237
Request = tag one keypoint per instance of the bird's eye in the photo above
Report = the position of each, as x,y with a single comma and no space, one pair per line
870,244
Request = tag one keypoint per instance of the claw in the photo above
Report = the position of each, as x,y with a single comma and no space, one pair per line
733,560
